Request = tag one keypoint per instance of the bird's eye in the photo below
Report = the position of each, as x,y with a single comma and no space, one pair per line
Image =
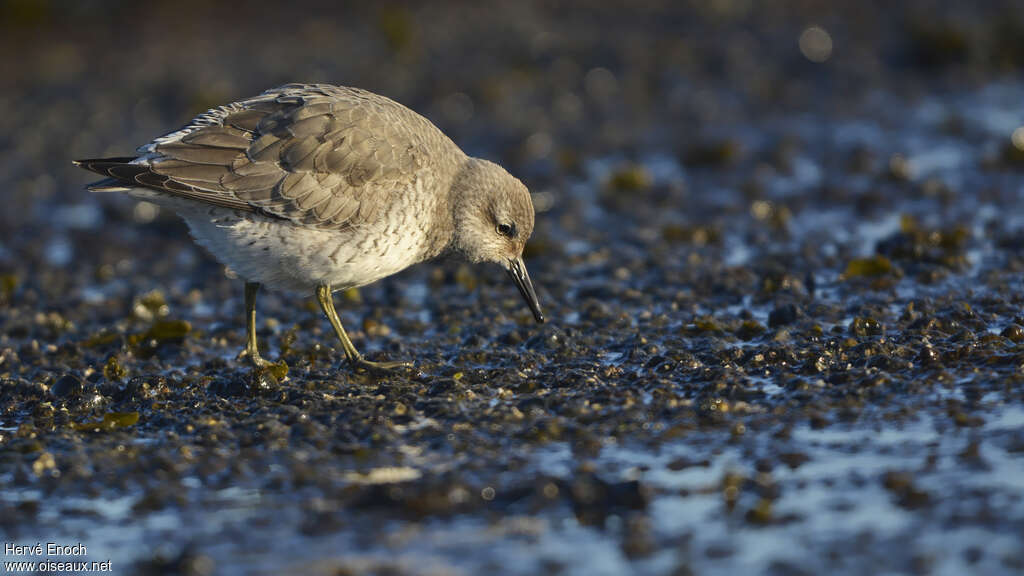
507,230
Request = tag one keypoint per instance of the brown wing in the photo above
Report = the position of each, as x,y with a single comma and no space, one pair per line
317,155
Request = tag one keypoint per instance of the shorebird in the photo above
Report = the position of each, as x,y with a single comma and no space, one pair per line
318,188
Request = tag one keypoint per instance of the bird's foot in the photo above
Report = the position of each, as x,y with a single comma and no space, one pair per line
260,365
369,365
255,359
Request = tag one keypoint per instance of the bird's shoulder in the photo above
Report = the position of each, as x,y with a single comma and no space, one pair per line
315,154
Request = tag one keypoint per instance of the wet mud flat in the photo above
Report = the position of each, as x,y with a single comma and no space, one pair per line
785,338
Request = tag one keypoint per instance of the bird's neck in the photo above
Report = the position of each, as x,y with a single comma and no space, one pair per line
465,202
441,234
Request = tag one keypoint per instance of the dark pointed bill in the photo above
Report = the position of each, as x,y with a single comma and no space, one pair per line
517,270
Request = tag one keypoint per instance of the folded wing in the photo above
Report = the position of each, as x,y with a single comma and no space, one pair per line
317,155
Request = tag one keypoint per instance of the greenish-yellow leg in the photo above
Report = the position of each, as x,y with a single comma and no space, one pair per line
323,296
251,351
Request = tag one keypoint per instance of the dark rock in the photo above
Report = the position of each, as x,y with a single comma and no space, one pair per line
594,499
1014,332
67,387
783,315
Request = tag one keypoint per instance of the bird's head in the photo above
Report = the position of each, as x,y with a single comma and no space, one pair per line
493,221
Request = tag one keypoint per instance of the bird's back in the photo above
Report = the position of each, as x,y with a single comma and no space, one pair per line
316,155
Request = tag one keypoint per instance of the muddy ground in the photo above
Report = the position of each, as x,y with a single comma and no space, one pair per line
780,245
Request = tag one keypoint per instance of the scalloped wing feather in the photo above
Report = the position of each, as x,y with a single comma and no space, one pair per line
316,155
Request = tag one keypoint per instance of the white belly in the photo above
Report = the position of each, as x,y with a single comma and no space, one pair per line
283,256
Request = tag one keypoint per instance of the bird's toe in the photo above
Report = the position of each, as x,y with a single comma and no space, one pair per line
382,366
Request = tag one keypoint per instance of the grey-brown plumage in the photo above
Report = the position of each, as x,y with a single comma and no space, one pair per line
318,187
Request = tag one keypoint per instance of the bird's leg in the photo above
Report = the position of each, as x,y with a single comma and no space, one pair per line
323,296
251,351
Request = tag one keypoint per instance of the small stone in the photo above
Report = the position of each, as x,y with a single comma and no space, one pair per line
43,464
1014,333
868,267
864,327
113,370
749,330
67,386
783,315
761,513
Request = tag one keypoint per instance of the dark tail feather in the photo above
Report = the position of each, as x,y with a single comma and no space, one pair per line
108,185
120,173
103,165
123,175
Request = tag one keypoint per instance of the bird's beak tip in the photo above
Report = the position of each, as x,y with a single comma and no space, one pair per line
517,270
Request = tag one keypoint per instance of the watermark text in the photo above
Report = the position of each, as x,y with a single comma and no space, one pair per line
50,558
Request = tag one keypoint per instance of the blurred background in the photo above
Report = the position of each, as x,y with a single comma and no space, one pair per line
544,88
780,242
